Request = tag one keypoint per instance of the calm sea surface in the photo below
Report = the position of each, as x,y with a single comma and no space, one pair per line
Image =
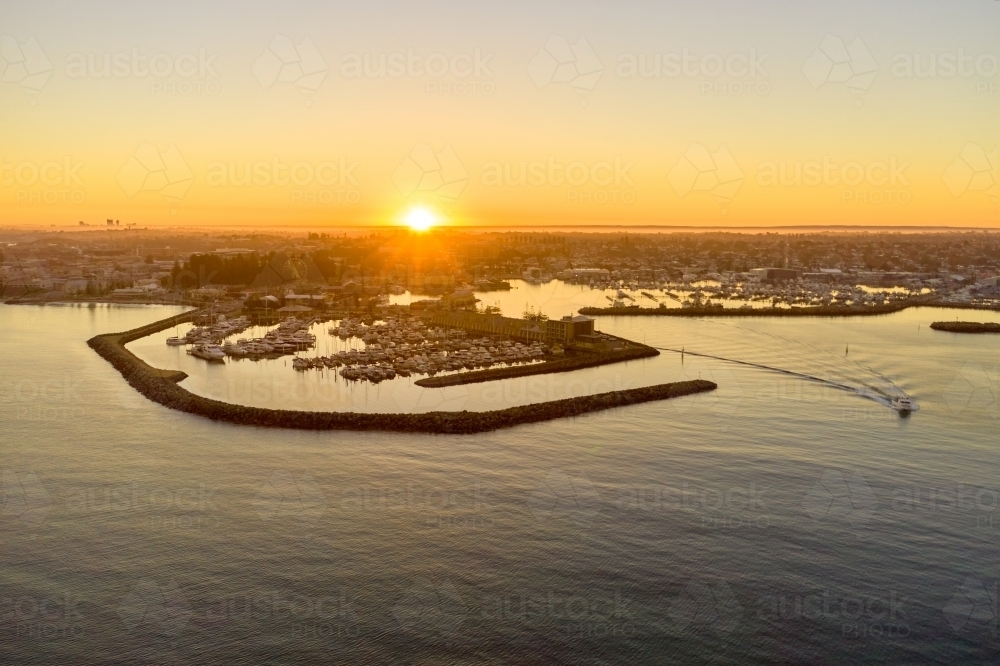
773,520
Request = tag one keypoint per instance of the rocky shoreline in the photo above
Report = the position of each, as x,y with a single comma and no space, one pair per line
965,327
161,387
812,311
576,362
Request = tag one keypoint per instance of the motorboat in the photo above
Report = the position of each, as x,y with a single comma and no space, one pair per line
208,352
234,349
904,405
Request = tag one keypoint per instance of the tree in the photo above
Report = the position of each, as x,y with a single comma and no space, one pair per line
529,314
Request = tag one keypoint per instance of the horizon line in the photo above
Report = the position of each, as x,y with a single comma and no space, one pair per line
470,227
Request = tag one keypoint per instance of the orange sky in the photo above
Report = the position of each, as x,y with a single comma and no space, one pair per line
594,115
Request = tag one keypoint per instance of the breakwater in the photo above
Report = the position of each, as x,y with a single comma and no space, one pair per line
816,311
578,361
119,340
811,311
965,327
161,386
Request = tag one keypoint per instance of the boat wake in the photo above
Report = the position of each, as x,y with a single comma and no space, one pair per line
819,366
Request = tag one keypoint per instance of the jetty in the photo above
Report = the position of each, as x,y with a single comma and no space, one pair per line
718,310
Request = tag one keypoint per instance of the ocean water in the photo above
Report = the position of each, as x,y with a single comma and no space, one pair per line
773,520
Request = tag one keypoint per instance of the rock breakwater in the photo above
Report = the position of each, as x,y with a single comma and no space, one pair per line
576,362
161,386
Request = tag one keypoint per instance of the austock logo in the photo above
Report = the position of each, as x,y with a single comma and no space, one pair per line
139,65
561,62
701,170
841,498
285,496
974,170
49,182
329,182
415,65
285,62
24,497
561,496
974,606
427,173
815,173
704,606
833,61
883,615
877,182
48,618
945,66
729,74
975,389
689,65
149,607
25,64
150,170
541,173
433,611
191,73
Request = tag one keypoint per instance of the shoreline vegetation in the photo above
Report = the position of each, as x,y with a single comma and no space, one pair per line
161,386
966,327
809,311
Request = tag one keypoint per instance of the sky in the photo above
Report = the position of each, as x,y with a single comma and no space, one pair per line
515,113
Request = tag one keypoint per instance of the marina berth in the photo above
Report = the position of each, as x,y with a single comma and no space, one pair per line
208,352
401,346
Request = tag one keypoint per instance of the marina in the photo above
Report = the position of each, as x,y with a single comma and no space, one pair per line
374,352
736,291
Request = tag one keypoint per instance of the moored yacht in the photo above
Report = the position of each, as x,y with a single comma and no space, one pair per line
208,352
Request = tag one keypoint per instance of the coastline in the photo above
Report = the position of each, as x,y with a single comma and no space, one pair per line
161,386
814,311
630,311
101,300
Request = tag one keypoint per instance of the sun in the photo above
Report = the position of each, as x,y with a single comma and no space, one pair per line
420,219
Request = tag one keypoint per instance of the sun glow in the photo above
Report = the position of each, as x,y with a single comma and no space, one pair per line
420,219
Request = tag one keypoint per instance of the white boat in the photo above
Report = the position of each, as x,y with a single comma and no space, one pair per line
208,352
176,342
904,405
234,350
